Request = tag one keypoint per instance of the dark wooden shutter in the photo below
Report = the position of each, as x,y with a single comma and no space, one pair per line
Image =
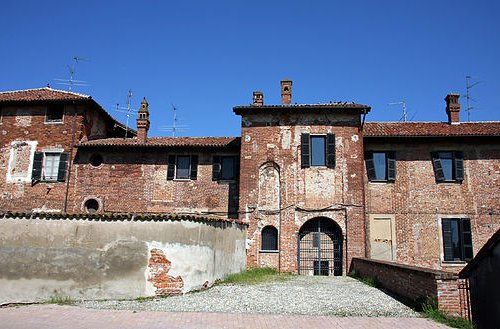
305,150
194,167
61,172
36,174
438,169
447,240
330,150
216,168
370,167
391,166
171,167
467,239
458,157
236,167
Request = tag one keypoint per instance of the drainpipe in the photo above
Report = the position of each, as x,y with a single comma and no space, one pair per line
279,225
70,162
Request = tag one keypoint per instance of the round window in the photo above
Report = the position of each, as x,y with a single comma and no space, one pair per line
91,205
96,160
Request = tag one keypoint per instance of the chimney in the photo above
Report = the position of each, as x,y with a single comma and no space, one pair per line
143,122
258,98
453,108
286,91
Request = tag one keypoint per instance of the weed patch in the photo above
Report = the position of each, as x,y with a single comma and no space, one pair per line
430,310
256,276
60,300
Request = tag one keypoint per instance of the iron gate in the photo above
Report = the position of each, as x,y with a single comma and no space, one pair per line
320,248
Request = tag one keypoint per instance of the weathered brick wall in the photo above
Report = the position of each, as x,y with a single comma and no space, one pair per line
136,181
415,283
274,141
26,127
418,203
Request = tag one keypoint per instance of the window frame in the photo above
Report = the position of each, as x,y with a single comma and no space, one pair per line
306,151
269,232
465,240
40,165
218,168
188,169
54,121
172,166
390,166
458,169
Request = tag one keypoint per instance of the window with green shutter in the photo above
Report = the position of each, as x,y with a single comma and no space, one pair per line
380,166
448,166
457,239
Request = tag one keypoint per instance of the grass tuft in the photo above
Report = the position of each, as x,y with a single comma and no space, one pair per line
60,300
366,280
430,310
256,276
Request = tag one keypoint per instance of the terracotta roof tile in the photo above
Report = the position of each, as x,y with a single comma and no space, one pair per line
40,94
430,129
167,142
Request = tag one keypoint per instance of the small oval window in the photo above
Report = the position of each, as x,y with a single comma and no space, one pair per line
96,160
91,205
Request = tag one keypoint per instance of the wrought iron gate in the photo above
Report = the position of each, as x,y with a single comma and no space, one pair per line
320,248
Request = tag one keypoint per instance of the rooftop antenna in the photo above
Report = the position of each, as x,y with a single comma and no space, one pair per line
174,127
468,97
126,110
405,111
72,82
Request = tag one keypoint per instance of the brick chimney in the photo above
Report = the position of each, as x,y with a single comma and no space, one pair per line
143,122
453,108
286,91
258,98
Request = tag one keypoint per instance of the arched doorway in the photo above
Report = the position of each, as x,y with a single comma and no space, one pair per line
320,247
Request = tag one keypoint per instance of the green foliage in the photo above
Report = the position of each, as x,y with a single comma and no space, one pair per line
144,299
430,310
372,282
256,276
60,300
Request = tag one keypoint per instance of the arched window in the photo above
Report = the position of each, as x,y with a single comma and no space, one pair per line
269,238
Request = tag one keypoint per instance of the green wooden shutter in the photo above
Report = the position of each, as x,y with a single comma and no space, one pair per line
36,174
447,240
194,167
216,168
171,167
438,169
391,166
330,150
61,172
305,150
458,157
467,239
370,167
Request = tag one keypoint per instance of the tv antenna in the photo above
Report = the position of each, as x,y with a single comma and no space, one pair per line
175,127
405,111
468,97
126,110
71,81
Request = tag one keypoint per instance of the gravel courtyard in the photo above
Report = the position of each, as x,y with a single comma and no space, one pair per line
334,296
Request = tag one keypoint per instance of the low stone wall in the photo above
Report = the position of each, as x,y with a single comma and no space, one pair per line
123,257
415,283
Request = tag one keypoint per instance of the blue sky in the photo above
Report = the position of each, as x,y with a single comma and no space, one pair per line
208,56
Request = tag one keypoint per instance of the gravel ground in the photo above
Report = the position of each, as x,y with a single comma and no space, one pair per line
336,296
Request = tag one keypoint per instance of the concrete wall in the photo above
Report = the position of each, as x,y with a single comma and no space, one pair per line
89,259
417,204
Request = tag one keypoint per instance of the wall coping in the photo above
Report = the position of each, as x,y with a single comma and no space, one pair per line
437,274
118,217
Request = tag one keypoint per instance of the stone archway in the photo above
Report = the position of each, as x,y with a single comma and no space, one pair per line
320,247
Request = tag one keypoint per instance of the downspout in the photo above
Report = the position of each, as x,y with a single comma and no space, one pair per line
70,162
279,225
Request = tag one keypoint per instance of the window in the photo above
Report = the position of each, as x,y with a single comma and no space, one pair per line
96,160
91,206
54,113
182,167
49,166
318,150
457,239
225,167
380,166
269,238
448,166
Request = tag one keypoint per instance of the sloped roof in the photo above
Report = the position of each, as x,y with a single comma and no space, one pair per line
430,129
165,142
48,94
484,252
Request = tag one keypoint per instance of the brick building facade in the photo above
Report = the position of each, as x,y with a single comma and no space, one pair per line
316,183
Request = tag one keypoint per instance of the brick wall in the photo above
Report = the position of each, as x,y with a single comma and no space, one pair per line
131,180
415,283
418,203
273,141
